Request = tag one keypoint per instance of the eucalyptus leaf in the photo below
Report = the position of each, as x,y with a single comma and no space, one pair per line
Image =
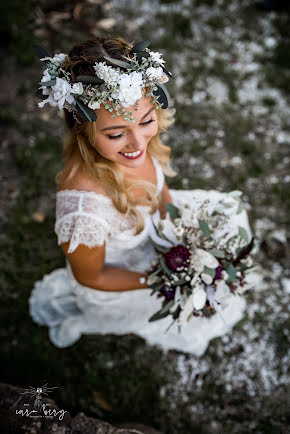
166,71
204,227
141,45
217,253
210,271
142,54
158,316
47,83
164,266
243,234
240,208
85,112
156,271
89,79
179,282
235,193
231,272
173,210
40,52
120,62
164,90
167,306
159,248
162,96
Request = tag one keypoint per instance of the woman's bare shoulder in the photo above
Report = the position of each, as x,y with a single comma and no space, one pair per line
81,181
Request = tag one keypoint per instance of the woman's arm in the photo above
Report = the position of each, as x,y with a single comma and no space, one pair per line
165,197
88,268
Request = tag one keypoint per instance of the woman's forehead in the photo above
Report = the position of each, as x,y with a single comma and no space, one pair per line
104,116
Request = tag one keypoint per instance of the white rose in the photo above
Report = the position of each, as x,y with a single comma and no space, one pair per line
78,88
130,89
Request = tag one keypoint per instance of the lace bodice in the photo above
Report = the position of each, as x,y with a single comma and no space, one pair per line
89,218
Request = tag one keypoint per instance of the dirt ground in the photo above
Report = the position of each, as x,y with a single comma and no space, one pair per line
231,67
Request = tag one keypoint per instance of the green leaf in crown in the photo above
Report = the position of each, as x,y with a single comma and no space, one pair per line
85,112
140,46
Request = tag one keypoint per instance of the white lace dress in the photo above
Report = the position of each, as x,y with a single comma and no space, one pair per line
70,309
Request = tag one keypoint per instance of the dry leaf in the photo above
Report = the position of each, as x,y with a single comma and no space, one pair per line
101,401
38,217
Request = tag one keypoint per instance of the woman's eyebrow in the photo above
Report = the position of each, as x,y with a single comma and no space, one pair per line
123,126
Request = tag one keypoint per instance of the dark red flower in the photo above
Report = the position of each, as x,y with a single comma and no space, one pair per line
218,272
168,293
177,257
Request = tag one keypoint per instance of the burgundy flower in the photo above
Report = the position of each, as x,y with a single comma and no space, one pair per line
218,272
177,257
168,293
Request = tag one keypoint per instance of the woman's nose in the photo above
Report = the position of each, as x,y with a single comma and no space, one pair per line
137,140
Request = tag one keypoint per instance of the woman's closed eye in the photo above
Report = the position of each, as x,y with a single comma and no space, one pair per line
120,135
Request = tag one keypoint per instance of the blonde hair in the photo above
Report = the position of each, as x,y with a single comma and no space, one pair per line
79,148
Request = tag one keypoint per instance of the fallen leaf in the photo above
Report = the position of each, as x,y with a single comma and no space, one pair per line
101,401
38,217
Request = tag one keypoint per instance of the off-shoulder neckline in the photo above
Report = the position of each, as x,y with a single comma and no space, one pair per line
103,196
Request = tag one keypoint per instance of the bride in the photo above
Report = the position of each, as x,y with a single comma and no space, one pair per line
111,186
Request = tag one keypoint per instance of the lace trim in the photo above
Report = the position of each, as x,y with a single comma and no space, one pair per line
82,229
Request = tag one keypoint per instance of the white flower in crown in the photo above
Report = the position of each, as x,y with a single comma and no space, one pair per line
59,58
50,100
62,92
130,89
156,74
78,88
46,77
107,73
94,105
156,57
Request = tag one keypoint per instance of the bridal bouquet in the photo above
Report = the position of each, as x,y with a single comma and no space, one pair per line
203,258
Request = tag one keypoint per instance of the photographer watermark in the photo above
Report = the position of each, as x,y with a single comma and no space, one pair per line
40,409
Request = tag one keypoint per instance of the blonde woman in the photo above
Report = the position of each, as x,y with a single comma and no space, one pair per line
111,185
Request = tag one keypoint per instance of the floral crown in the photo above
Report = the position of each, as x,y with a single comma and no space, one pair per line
120,88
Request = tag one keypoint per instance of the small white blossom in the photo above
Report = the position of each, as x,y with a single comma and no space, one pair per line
78,88
154,73
94,105
59,58
156,57
110,75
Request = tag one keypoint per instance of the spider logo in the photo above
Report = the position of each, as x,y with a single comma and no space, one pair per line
37,392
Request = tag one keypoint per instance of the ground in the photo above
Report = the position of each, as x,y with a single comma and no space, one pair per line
231,69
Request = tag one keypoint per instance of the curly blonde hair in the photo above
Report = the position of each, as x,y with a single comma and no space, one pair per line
79,142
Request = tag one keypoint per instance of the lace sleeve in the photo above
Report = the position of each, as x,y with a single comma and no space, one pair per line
81,229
